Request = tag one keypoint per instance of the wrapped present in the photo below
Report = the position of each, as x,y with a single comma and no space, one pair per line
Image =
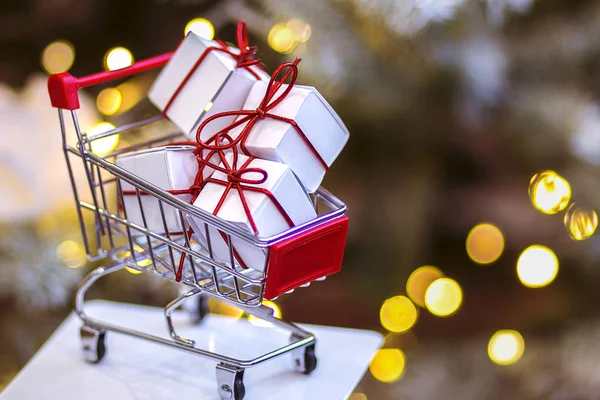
206,77
286,123
263,197
173,168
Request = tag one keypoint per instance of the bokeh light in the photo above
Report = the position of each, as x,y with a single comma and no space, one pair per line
107,144
260,322
71,253
387,365
282,39
131,94
201,27
398,314
223,308
301,29
109,101
443,297
117,58
549,192
506,347
581,223
133,271
144,263
419,281
58,57
358,396
537,266
485,243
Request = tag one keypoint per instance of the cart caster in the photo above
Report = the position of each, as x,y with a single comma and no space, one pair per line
197,308
230,381
305,359
93,344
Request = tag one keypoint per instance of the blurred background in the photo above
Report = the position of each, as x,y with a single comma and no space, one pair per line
471,177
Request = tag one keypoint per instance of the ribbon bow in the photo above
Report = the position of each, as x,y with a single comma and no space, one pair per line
235,180
244,59
251,117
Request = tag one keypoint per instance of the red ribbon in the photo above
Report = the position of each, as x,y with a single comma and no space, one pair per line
245,59
235,180
250,117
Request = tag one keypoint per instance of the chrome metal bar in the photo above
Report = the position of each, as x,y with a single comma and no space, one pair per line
128,127
143,215
232,263
174,244
306,338
105,205
129,239
86,167
189,246
61,120
210,254
218,223
169,311
164,222
146,144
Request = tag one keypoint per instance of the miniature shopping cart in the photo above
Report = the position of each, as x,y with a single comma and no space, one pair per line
295,257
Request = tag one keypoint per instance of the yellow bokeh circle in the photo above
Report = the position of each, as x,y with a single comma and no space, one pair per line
549,192
387,365
58,57
506,347
581,223
419,281
443,297
105,145
201,27
282,39
109,101
118,58
71,253
398,314
485,243
537,266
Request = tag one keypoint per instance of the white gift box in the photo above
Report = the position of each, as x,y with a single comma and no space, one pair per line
275,140
169,168
215,86
285,188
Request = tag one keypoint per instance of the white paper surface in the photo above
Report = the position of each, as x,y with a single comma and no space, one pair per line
137,369
169,168
278,140
284,186
215,86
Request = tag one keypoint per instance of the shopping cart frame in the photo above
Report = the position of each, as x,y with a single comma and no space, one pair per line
205,276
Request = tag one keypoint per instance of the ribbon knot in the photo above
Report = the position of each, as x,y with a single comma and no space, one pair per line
244,59
237,176
273,97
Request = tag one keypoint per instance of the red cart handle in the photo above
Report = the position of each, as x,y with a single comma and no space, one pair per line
63,87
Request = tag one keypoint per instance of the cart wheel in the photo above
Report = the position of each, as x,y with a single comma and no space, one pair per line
231,382
310,359
197,308
93,343
239,390
305,360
